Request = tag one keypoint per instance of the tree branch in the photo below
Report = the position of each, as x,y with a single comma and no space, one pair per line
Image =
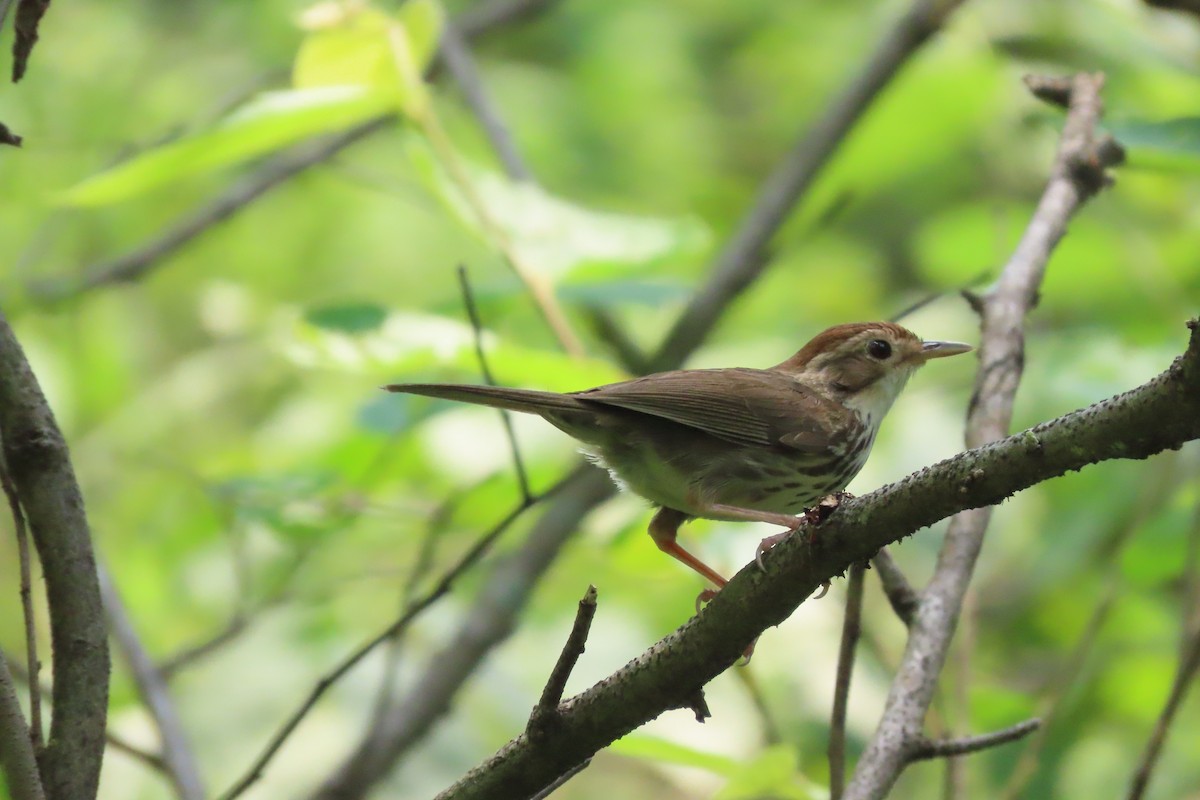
40,466
541,721
31,656
899,592
1078,174
489,621
1159,415
948,748
851,628
18,764
1189,665
178,760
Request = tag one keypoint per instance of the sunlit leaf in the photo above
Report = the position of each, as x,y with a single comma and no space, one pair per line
353,52
1172,144
772,773
414,346
652,748
349,317
272,121
557,237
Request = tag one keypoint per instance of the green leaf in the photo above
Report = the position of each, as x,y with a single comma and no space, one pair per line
409,345
367,48
414,41
349,317
1172,144
558,237
270,122
652,748
773,773
353,52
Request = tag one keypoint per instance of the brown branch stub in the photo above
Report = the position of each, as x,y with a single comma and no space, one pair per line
1052,89
29,14
698,704
545,713
8,137
1184,6
899,592
930,748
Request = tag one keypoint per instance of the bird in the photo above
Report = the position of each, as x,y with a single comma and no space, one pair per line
733,444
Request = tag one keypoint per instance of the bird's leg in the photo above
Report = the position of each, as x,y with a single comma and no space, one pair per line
663,529
811,516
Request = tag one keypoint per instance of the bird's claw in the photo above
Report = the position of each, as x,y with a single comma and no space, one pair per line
824,591
704,597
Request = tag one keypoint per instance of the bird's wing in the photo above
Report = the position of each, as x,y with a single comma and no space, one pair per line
742,406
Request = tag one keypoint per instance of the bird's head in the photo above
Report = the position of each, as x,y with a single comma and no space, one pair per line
864,365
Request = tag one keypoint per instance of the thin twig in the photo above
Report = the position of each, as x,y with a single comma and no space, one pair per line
899,592
460,64
443,586
18,756
607,330
483,17
541,720
179,761
928,748
741,261
490,619
477,330
1079,172
1189,665
562,779
771,734
851,628
235,627
33,665
1155,489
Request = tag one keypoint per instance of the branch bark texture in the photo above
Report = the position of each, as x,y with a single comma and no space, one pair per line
40,467
1162,414
1078,174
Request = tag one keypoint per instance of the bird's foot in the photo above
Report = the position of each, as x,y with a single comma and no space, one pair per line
704,597
811,516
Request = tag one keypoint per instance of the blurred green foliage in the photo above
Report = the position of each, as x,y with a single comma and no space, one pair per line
237,456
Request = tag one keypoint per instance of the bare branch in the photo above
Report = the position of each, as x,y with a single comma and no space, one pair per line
178,761
18,762
1189,665
1159,415
443,586
40,467
899,592
741,261
459,62
1078,174
488,622
851,628
1156,489
541,721
31,657
928,748
505,417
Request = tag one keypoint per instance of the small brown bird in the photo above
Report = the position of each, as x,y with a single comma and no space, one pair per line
733,444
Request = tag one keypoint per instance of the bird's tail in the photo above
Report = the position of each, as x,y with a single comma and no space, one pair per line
530,401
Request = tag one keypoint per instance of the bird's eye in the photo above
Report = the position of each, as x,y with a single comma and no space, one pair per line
878,348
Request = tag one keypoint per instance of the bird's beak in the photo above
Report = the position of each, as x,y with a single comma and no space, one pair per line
942,349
